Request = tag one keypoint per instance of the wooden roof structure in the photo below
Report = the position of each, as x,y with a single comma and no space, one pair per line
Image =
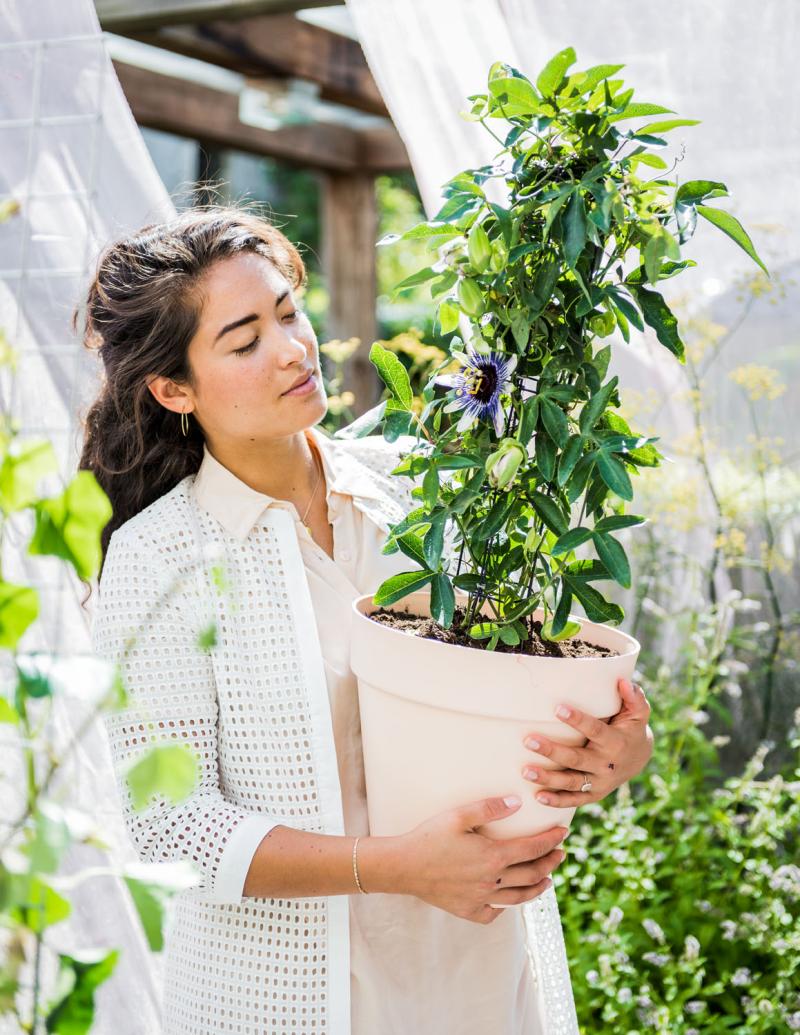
263,43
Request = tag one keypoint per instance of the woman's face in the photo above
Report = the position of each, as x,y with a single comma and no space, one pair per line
251,346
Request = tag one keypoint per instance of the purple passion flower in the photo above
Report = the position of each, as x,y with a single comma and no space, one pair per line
478,385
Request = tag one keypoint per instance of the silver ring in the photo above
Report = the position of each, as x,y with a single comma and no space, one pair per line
586,785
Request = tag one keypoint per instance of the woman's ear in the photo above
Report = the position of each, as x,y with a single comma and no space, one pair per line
170,394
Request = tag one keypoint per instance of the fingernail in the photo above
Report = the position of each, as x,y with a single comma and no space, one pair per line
543,798
563,712
532,743
627,684
531,774
512,799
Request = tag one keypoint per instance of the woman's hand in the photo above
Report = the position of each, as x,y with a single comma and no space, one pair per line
447,863
617,749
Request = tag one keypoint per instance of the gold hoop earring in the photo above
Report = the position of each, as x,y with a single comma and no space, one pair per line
184,422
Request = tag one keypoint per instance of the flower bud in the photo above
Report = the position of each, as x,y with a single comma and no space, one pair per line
503,464
479,248
470,296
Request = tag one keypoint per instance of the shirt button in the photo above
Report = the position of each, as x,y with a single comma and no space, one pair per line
345,555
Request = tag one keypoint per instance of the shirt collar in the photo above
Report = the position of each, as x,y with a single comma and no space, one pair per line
238,507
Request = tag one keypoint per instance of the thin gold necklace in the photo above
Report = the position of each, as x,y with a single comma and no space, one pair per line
314,493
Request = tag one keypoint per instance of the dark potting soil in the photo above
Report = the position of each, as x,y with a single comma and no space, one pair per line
535,645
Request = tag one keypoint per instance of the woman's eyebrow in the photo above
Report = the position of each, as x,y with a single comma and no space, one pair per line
249,318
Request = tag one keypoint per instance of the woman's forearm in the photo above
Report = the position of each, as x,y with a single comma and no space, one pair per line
290,863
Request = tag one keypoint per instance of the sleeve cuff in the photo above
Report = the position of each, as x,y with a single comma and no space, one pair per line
237,856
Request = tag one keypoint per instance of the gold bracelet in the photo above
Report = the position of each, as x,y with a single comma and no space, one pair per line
355,867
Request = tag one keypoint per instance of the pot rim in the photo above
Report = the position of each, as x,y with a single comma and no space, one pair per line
632,645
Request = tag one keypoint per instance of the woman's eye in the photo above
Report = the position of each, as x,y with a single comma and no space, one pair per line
247,348
293,315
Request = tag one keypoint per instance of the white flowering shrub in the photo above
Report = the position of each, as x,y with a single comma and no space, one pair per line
680,896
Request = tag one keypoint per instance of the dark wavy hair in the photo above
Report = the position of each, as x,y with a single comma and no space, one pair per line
141,311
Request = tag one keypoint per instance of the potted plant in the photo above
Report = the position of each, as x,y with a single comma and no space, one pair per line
523,459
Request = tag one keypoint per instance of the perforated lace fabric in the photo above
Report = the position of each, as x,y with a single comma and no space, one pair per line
256,710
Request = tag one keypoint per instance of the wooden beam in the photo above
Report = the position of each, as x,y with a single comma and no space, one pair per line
281,46
349,232
191,109
138,15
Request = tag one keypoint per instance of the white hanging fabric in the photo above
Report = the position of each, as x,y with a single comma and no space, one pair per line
72,156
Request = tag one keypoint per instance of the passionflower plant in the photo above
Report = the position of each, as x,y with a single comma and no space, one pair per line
538,463
478,386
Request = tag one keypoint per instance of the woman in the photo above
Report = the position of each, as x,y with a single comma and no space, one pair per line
232,507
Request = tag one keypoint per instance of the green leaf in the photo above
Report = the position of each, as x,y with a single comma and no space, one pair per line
659,316
529,419
616,521
398,586
611,553
8,713
513,91
731,226
494,519
393,374
169,770
553,72
397,422
433,543
81,974
595,407
558,623
555,420
442,284
594,75
364,424
430,486
443,600
569,458
411,545
597,608
448,316
569,630
550,512
482,630
575,226
21,472
630,310
571,540
633,111
509,635
51,838
663,127
693,191
420,277
19,606
44,906
150,901
70,525
545,456
613,473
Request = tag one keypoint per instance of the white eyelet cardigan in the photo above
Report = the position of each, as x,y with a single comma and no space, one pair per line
256,710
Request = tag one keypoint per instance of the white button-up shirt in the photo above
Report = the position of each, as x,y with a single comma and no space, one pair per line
285,747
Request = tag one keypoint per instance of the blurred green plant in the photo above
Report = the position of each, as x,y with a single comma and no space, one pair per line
680,899
34,896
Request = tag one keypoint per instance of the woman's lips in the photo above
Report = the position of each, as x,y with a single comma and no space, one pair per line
309,385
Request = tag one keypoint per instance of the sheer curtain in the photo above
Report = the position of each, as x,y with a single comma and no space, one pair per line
73,158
